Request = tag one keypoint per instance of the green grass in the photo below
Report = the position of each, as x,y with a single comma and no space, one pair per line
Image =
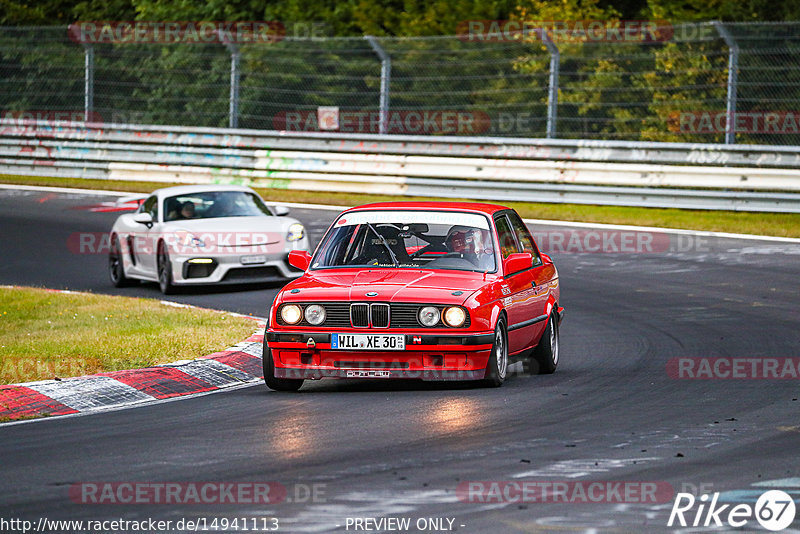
45,334
7,419
774,224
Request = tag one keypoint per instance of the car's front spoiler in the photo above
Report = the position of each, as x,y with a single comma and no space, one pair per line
423,374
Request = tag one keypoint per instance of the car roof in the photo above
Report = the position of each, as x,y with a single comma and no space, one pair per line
474,207
189,189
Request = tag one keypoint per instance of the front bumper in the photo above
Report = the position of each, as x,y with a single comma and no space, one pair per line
228,269
308,355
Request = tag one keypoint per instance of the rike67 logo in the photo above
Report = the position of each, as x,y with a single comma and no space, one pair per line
774,510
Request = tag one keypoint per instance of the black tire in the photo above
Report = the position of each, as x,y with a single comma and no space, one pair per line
116,272
164,268
497,366
544,358
278,384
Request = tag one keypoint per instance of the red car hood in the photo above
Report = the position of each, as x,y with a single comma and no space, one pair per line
391,285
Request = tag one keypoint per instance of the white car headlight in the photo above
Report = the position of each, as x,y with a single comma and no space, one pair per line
296,232
429,316
454,316
291,313
315,314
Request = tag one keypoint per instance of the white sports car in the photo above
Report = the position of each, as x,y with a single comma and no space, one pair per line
190,235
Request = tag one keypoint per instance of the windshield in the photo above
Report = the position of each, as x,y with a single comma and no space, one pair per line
408,239
208,205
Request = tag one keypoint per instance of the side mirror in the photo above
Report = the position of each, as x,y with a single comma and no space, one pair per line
517,262
143,218
546,258
300,259
280,211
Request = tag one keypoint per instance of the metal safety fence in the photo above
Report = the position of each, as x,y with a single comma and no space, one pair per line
746,178
701,83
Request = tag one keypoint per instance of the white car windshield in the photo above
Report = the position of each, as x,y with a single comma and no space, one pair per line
408,239
208,205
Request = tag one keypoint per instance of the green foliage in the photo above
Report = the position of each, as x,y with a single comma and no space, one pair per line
678,11
390,17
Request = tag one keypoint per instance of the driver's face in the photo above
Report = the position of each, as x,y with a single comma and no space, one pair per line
459,242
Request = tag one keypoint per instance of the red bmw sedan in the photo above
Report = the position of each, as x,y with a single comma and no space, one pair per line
425,290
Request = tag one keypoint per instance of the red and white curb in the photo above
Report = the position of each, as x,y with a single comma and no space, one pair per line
236,366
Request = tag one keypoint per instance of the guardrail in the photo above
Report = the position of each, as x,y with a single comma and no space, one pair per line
747,178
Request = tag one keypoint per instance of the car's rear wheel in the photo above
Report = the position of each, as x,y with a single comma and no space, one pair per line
278,384
164,270
497,366
116,271
544,358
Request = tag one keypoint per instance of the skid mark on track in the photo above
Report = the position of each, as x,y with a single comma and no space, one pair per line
583,467
421,462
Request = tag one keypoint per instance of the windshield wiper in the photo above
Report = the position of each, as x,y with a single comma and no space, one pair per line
385,244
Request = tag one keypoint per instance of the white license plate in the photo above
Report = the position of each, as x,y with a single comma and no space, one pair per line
369,374
252,260
368,341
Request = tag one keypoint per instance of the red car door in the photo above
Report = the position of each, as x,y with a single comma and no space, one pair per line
518,290
541,274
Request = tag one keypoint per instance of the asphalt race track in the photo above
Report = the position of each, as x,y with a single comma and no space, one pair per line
615,411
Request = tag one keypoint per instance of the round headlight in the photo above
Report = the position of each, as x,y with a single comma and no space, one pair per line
291,313
429,316
315,314
454,316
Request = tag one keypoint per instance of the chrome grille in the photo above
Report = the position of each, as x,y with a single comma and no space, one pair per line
359,315
380,315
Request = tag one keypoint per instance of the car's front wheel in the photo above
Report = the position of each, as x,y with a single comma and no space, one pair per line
497,366
544,358
278,384
116,271
164,270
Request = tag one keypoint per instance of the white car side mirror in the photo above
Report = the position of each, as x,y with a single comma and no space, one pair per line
143,218
280,211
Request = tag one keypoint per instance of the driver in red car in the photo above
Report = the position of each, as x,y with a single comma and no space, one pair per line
473,245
